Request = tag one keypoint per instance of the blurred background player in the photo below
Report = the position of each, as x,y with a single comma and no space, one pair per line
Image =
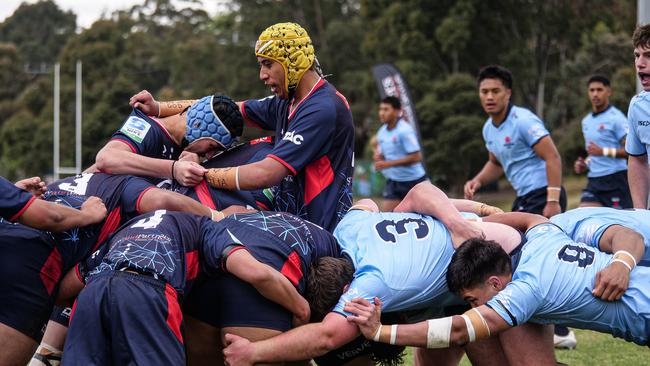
604,130
399,158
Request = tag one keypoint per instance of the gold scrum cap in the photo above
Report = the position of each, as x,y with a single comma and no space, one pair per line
290,45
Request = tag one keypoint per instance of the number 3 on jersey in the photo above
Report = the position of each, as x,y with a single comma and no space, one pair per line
386,228
152,221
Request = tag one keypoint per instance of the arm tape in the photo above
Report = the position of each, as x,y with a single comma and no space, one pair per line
224,178
439,332
624,253
474,320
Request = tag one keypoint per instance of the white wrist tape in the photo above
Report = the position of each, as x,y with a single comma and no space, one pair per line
393,333
620,253
624,263
376,337
237,178
470,328
439,332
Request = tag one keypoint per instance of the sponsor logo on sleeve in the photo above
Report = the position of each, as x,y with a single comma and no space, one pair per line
136,128
293,137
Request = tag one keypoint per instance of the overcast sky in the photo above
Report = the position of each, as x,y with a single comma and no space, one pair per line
89,10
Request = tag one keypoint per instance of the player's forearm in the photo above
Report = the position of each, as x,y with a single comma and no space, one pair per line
638,176
44,215
116,161
630,241
159,199
490,172
427,199
169,108
302,343
407,160
554,170
262,174
279,289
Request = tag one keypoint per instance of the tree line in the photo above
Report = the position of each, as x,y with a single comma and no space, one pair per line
177,50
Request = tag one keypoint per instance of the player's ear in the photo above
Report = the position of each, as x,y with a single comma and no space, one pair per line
495,283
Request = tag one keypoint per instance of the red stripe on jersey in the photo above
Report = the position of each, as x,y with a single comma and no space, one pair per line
203,192
262,206
111,224
22,210
279,159
345,100
74,307
291,268
318,176
51,271
191,265
128,143
174,315
261,139
137,204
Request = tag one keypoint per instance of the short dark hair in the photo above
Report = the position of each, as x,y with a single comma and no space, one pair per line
475,261
496,72
641,36
325,282
393,101
597,78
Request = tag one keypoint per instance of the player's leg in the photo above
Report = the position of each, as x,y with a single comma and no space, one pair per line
51,348
529,344
391,197
202,342
448,356
589,199
16,347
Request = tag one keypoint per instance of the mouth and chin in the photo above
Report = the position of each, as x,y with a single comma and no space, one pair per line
644,78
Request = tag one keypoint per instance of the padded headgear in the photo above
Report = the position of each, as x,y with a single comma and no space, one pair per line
290,45
215,117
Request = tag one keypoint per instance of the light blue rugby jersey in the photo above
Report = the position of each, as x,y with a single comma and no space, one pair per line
587,225
605,129
638,118
396,144
401,258
553,282
512,144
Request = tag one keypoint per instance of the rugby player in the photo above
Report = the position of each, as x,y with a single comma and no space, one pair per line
399,257
551,283
311,160
150,146
129,311
604,130
638,117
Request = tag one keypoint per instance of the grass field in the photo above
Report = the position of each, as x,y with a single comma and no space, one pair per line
594,349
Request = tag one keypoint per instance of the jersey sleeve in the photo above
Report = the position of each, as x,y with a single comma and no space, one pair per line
262,112
633,144
308,137
591,230
134,189
409,140
366,286
138,134
620,127
517,303
13,200
532,130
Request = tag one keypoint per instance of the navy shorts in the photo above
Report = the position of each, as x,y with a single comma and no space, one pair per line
124,318
226,301
395,190
535,201
31,269
609,190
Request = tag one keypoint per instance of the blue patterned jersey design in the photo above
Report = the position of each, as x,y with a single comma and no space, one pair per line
314,140
587,224
401,258
553,281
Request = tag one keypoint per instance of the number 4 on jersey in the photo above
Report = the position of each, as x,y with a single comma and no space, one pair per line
152,221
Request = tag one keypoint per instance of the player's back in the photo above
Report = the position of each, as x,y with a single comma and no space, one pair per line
561,274
408,252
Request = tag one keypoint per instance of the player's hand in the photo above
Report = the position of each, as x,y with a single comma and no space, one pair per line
189,156
33,185
552,208
377,155
238,352
487,210
236,209
188,173
380,164
94,209
145,102
580,166
302,316
611,282
463,230
366,315
594,149
471,186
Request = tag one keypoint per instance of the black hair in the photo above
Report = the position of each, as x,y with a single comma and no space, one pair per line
496,72
475,261
393,101
325,282
599,79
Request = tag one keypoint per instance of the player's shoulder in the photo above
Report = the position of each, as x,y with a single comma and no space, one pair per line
639,100
521,114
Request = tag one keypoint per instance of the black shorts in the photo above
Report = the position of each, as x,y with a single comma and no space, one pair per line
535,201
395,190
124,318
61,315
609,190
226,301
31,270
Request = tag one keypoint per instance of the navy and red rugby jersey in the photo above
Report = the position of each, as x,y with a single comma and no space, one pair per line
165,244
315,141
281,240
13,200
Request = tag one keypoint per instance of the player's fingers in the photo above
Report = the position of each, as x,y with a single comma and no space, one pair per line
230,338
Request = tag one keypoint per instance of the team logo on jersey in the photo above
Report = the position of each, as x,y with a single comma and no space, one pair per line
293,137
644,123
136,128
601,127
508,142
